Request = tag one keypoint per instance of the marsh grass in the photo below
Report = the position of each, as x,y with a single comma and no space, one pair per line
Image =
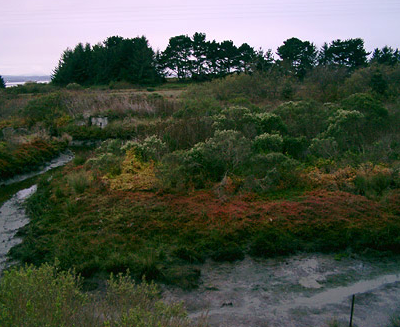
79,181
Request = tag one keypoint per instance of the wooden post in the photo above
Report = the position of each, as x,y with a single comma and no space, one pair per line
352,310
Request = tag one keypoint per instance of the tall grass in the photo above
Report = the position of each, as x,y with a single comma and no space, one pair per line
79,181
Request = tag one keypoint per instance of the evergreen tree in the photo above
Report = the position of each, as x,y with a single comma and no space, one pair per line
228,57
386,55
349,53
177,56
263,61
246,56
2,83
213,58
200,67
298,56
117,59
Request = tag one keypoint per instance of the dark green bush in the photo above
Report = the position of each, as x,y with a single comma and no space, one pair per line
295,147
372,108
265,143
324,147
268,172
304,118
237,119
347,128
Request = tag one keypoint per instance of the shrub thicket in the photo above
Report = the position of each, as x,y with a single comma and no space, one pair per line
46,296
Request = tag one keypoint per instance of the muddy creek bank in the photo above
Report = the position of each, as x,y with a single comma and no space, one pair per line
303,290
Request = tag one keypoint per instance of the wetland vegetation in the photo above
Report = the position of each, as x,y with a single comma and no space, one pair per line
271,159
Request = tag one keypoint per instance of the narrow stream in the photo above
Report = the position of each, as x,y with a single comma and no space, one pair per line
12,218
12,212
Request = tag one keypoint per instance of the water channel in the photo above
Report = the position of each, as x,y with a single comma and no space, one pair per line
12,213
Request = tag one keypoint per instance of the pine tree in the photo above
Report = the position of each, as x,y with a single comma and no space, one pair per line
2,83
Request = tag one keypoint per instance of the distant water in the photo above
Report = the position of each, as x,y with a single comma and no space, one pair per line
10,84
11,80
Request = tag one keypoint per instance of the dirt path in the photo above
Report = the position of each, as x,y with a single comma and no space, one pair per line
304,290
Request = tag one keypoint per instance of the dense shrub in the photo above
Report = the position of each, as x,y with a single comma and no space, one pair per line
366,104
324,147
248,122
272,171
268,143
270,123
225,153
238,119
376,115
184,133
152,148
295,147
46,296
304,118
346,127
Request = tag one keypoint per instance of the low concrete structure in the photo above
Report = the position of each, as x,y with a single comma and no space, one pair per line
99,121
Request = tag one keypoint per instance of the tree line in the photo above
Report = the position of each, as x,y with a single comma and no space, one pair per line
195,58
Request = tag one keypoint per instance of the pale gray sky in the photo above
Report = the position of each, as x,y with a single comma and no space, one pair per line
34,33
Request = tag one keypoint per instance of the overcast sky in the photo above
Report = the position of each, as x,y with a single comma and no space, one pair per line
34,33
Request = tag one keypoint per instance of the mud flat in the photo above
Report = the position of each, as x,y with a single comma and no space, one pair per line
303,290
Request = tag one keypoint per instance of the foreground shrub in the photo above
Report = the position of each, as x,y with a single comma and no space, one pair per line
40,297
48,297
